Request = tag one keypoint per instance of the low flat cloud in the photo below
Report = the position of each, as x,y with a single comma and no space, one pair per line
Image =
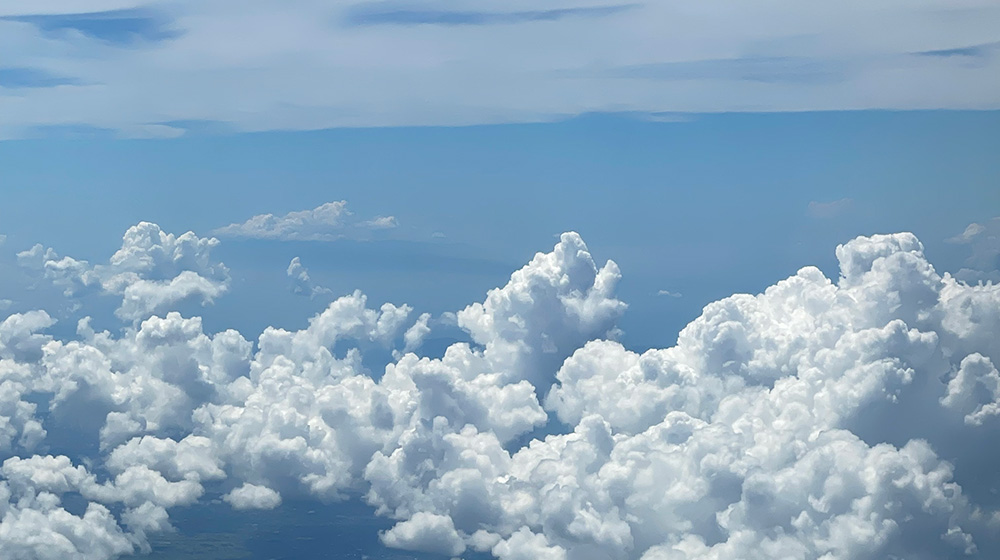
326,222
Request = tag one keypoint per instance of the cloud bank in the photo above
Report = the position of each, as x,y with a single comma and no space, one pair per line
147,68
847,418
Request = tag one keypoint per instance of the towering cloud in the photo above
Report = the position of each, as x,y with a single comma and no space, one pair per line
852,418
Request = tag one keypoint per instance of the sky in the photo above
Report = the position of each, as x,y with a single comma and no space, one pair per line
554,280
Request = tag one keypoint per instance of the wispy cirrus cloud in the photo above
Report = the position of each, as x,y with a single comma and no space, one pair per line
326,222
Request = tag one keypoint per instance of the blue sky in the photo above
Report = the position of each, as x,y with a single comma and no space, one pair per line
557,280
704,207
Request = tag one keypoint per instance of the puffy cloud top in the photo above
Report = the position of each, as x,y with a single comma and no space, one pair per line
153,271
820,419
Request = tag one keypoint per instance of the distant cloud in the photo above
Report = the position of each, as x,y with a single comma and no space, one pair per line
830,209
668,293
302,283
326,222
382,222
984,241
368,14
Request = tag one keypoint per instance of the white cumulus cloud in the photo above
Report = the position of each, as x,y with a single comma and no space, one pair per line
152,272
252,496
851,418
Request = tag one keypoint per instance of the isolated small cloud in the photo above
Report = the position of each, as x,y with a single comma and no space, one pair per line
301,282
830,209
668,293
326,222
382,222
252,496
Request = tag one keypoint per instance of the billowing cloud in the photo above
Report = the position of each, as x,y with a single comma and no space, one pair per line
426,532
152,272
143,68
326,222
850,418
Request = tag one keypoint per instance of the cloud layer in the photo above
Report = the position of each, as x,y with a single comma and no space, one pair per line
150,68
847,418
